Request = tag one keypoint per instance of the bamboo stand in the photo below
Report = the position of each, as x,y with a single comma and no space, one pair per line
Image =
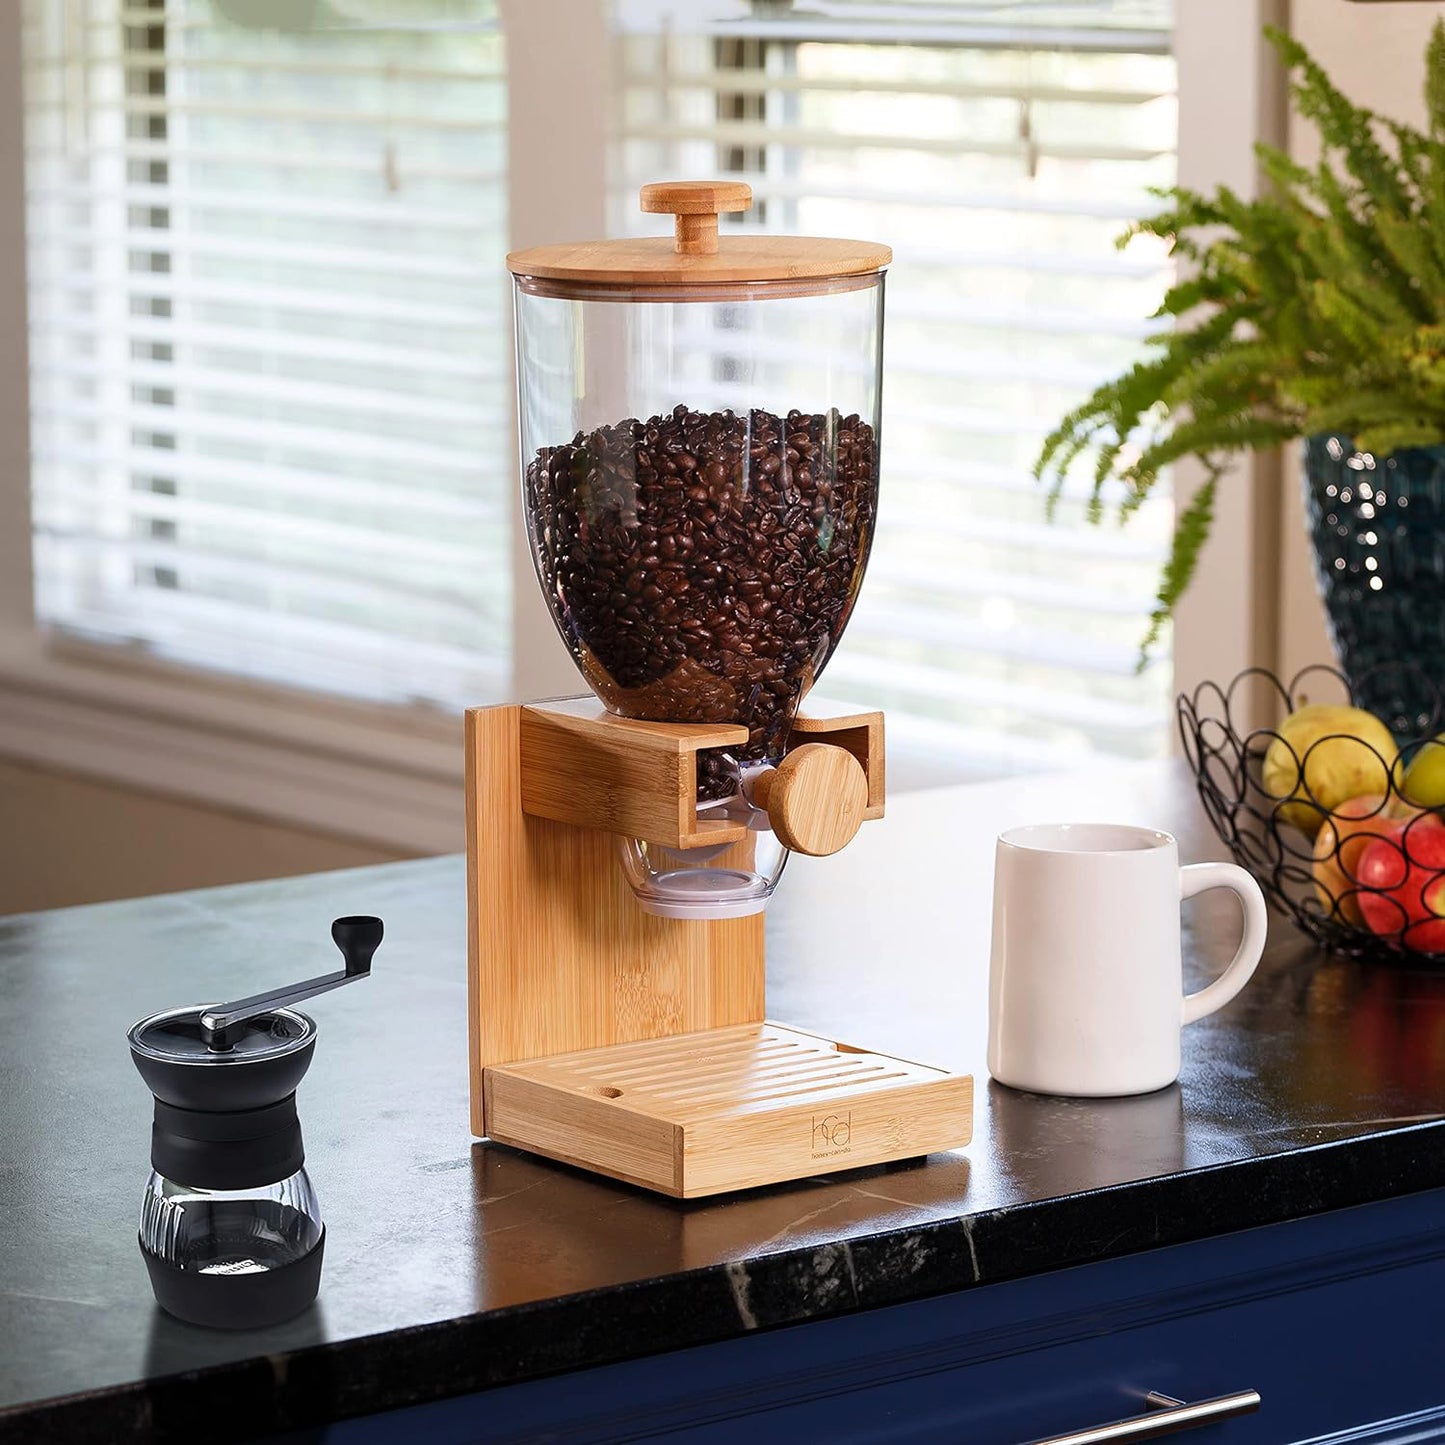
637,1046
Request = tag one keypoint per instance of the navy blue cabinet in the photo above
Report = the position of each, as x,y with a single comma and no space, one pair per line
1336,1320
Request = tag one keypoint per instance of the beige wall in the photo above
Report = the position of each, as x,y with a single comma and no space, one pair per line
65,839
1375,54
1230,96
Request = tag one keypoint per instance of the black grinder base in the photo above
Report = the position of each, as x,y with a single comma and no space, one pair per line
237,1301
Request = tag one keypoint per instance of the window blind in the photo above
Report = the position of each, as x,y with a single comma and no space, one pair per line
270,418
999,148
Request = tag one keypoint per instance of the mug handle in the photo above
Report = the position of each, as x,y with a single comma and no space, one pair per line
1196,878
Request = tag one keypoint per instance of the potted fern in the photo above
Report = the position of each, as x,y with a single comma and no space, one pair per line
1317,311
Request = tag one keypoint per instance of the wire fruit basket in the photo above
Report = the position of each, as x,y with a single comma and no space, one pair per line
1362,874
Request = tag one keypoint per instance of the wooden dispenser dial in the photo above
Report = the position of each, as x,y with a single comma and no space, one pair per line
815,799
637,1046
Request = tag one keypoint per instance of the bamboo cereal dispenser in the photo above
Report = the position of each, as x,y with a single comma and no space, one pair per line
700,550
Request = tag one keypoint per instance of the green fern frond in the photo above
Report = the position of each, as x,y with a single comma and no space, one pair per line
1343,126
1435,81
1190,535
1319,306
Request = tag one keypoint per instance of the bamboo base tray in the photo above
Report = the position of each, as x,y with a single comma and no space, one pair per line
726,1108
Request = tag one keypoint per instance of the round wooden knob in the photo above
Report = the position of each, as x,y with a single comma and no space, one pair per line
696,205
815,798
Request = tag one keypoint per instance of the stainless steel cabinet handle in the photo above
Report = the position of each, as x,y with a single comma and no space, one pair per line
1165,1416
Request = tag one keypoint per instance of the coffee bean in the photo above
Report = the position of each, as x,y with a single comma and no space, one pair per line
701,566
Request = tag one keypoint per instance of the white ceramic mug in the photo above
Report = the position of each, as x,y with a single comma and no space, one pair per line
1086,987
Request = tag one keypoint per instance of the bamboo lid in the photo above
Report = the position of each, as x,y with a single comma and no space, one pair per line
695,255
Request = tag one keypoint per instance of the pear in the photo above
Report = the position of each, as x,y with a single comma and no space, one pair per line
1324,755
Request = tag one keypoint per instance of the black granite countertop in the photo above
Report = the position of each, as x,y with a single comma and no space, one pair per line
452,1266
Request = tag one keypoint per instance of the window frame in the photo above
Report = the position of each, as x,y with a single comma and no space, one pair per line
386,775
392,776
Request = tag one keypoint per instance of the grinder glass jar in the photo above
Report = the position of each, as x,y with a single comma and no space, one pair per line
699,443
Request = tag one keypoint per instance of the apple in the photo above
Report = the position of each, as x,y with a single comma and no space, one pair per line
1322,755
1401,875
1339,844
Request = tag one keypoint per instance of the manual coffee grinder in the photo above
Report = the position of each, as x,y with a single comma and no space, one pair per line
230,1230
699,421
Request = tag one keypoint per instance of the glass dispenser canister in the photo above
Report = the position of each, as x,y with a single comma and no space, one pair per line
699,419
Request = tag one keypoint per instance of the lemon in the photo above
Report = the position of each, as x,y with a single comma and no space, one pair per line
1423,782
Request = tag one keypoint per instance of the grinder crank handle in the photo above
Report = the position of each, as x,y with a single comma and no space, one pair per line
357,938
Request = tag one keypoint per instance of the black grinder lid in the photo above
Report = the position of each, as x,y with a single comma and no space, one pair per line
266,1059
176,1037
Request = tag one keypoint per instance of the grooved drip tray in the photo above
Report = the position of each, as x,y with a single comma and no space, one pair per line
727,1108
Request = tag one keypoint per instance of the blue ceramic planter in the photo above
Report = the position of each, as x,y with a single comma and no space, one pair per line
1378,526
